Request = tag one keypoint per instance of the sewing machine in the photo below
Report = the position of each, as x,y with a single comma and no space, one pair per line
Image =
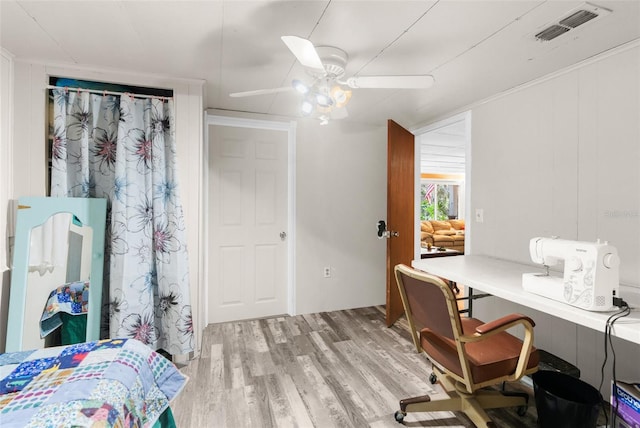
591,273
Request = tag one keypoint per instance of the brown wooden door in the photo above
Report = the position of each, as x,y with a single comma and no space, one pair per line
400,210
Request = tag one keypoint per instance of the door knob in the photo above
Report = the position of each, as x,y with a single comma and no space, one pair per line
384,233
382,229
283,236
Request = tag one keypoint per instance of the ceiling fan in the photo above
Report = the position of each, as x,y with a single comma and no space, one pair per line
328,95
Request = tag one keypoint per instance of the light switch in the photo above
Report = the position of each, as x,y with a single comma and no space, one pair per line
479,215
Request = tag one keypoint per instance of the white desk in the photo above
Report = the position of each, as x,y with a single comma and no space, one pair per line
503,279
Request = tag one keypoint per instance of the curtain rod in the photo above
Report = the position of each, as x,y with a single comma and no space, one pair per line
105,92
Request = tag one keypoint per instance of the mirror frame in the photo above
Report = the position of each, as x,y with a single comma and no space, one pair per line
32,212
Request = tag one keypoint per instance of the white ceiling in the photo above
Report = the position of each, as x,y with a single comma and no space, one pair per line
442,150
472,48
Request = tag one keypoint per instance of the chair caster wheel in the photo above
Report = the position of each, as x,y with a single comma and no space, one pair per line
521,410
433,378
399,416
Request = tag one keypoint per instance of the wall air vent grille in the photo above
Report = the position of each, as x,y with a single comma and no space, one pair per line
571,20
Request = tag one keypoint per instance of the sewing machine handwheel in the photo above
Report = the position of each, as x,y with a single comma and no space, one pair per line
433,378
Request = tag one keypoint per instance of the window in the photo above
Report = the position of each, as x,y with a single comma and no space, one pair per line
439,200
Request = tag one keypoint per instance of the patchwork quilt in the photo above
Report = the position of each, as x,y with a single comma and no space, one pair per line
106,383
72,298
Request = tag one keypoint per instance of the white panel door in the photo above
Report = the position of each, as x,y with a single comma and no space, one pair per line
247,223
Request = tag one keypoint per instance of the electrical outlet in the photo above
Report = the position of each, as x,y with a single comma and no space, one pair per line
479,215
327,272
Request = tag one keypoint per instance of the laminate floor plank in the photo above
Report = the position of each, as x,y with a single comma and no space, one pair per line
231,357
328,399
332,369
354,408
212,334
278,402
311,322
341,330
302,345
298,408
243,355
278,351
277,331
216,375
309,393
386,400
349,381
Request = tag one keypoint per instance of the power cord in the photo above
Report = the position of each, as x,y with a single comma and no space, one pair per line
608,342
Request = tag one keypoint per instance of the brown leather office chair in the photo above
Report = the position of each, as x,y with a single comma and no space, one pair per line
467,355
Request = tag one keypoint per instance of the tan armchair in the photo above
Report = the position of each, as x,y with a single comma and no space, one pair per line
467,355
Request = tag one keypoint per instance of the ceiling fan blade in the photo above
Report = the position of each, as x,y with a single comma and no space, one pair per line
261,92
305,52
392,82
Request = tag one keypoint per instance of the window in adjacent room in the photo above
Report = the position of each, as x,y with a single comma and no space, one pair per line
439,200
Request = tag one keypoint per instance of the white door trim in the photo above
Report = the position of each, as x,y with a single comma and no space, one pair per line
466,116
290,128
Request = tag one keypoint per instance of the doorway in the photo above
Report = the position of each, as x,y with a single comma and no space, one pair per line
443,160
250,223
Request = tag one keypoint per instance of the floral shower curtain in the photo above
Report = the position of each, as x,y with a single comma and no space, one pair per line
122,148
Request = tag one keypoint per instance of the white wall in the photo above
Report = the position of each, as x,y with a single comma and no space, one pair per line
29,143
562,157
6,183
341,195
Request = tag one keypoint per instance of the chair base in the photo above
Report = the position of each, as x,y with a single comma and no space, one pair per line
473,405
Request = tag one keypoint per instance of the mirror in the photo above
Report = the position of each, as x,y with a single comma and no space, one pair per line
59,245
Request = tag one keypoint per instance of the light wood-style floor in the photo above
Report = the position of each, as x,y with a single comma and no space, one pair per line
334,369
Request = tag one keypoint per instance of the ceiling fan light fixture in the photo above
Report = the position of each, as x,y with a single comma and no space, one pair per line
299,86
323,100
340,95
306,107
326,97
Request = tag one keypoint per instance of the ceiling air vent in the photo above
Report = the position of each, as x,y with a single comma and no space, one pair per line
587,12
578,18
551,33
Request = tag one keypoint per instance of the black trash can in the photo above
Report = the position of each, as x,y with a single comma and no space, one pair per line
563,401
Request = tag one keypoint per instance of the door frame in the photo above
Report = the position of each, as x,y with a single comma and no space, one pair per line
418,132
274,125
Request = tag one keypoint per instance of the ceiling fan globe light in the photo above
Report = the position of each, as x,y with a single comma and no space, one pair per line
324,100
299,86
306,107
340,96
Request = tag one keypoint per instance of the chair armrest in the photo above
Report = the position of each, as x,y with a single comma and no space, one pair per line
491,328
504,323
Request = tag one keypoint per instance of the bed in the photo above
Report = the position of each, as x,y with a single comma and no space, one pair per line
105,383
